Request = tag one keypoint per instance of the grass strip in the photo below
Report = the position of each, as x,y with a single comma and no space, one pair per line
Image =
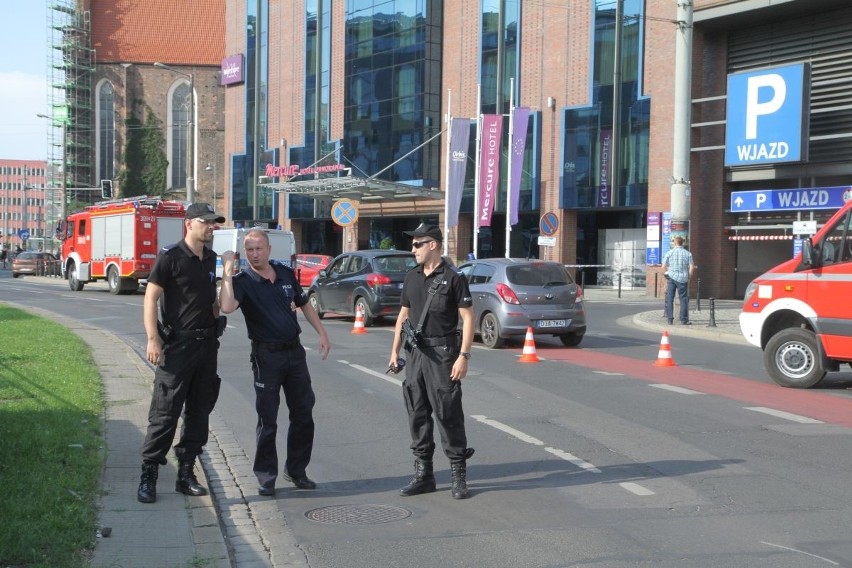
51,409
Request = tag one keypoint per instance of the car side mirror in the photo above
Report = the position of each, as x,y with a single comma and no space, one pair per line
323,273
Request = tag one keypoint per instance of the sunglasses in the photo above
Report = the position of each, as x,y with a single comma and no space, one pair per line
205,221
420,244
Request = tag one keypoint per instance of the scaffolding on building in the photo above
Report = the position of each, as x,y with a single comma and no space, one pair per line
71,65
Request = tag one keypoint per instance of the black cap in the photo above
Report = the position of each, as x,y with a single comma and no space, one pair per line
424,230
203,211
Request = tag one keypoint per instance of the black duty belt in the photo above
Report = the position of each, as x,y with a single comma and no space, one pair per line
203,333
438,341
277,345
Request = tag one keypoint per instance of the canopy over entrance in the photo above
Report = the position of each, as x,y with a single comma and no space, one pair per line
364,189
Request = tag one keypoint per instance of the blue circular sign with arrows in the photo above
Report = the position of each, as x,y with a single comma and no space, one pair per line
24,234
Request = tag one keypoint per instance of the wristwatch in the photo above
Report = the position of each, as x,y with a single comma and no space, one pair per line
465,354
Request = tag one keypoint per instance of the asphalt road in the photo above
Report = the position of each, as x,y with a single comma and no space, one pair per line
592,457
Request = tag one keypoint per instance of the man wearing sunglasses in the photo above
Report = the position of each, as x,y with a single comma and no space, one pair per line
437,363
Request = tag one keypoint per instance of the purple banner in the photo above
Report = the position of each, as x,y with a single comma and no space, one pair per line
489,165
605,161
520,119
232,70
459,141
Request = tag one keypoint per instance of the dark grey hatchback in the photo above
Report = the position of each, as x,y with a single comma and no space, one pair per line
371,279
511,294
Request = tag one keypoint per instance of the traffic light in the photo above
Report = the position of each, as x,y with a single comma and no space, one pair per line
106,188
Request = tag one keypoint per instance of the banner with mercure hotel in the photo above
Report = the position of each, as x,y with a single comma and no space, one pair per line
767,120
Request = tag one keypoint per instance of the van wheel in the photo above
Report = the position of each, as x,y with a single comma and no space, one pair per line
73,279
113,280
316,305
489,332
362,304
792,360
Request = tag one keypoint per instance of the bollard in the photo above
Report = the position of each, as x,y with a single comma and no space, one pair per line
712,313
619,285
698,295
656,288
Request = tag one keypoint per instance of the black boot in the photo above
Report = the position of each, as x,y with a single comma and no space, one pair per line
147,492
186,482
423,480
459,482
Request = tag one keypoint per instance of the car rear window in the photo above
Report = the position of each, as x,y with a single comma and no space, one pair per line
396,263
27,255
538,274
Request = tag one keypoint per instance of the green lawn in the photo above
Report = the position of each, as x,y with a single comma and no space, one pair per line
51,409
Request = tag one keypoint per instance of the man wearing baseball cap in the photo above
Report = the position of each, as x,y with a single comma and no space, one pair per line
183,347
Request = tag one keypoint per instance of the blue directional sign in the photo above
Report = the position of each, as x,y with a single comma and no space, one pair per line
24,234
806,199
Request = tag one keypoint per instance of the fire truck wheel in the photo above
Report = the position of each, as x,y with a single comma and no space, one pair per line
113,280
791,358
73,281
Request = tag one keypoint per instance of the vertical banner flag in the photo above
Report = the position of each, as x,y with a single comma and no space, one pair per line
459,141
605,161
520,118
491,141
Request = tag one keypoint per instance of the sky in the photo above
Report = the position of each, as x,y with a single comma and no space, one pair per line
23,79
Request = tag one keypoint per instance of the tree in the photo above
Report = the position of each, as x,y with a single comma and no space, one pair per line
145,163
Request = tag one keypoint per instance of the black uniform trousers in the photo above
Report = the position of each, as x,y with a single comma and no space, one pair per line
428,390
186,381
284,367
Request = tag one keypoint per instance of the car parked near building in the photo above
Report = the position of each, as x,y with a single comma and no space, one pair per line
35,263
308,267
511,295
371,279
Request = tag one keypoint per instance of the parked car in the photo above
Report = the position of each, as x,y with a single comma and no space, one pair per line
371,279
308,266
35,263
511,295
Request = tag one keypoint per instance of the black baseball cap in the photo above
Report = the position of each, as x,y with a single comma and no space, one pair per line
203,211
424,230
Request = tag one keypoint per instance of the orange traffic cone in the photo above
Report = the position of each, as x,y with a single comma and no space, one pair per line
359,321
529,356
664,358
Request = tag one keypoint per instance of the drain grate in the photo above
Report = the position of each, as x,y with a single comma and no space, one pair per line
358,514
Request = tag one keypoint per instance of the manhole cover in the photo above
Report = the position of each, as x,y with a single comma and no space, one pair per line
358,514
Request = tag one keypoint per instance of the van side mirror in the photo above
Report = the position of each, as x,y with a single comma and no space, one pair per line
807,255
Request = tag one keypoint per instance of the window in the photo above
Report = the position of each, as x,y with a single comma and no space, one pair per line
105,131
180,105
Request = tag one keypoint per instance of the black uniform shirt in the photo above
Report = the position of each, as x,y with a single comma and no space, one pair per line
189,285
453,293
267,306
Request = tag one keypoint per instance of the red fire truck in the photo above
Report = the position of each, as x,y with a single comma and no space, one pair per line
800,312
118,241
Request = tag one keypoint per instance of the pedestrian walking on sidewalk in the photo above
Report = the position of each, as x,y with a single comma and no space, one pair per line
434,298
269,293
679,269
184,348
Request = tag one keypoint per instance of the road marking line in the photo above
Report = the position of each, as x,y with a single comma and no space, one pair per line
785,415
569,457
376,374
832,562
636,489
608,374
673,388
508,430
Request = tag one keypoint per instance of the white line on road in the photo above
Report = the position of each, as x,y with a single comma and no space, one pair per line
673,388
608,374
508,430
569,457
636,489
378,375
832,562
785,415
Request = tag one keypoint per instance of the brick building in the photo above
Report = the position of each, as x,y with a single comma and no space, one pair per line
28,205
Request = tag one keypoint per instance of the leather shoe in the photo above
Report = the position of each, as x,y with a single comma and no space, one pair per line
686,323
301,482
266,491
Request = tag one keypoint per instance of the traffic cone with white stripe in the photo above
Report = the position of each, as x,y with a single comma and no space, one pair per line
529,356
359,321
664,358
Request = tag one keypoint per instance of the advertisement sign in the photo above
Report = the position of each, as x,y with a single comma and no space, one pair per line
459,140
604,190
767,114
654,232
489,166
232,71
520,120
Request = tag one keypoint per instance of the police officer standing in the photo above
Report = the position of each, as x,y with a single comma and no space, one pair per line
184,349
437,363
268,293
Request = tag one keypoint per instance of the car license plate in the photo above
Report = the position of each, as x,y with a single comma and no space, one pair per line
552,323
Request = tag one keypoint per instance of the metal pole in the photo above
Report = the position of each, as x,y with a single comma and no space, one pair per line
712,313
680,189
509,167
190,141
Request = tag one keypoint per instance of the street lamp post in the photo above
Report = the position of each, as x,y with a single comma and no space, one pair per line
190,135
64,184
211,166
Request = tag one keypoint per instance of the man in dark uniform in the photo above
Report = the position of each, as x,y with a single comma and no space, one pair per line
268,293
437,363
184,349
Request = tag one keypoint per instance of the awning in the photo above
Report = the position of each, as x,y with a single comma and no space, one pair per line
366,190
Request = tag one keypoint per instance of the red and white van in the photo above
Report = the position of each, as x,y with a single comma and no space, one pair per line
800,312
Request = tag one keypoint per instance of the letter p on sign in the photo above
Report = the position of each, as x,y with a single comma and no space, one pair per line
756,108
